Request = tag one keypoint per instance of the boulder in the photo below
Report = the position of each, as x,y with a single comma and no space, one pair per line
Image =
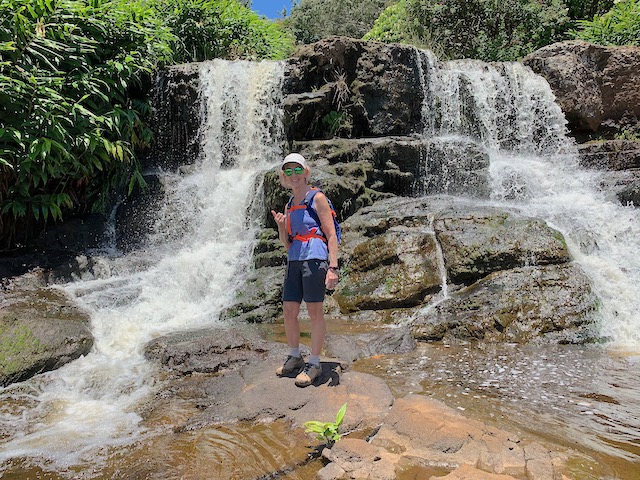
477,241
397,269
528,304
420,253
41,329
597,87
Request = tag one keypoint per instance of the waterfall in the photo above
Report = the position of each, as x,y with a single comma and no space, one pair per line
201,242
534,169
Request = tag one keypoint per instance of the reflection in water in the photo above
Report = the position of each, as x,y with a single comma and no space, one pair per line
581,397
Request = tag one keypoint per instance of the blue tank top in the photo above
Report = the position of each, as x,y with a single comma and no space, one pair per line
301,223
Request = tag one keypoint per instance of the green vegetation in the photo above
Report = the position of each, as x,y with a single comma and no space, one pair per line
312,20
74,83
327,431
15,344
481,29
619,26
583,9
206,29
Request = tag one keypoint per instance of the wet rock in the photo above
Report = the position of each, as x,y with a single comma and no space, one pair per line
467,472
630,195
478,241
136,215
619,163
260,299
175,118
205,351
610,154
41,329
397,269
528,304
380,341
255,394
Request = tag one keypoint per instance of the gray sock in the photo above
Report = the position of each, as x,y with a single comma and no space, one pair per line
314,360
295,352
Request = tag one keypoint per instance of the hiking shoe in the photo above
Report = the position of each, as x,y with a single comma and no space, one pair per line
308,375
291,366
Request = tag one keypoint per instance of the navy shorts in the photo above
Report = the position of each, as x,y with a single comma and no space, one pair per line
305,280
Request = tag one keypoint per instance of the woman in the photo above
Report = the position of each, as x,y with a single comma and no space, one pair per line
312,267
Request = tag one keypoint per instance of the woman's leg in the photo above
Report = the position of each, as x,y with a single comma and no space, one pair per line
294,362
291,324
318,326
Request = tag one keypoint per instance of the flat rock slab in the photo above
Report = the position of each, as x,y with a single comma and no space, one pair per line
254,393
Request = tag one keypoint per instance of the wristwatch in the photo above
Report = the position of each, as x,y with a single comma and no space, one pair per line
335,269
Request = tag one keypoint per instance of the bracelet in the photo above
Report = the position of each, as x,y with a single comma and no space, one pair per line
334,268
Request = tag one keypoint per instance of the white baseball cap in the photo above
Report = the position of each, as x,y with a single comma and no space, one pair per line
294,158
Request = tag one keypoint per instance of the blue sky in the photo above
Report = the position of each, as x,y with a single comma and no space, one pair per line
271,8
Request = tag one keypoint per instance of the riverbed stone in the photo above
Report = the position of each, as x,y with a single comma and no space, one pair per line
467,472
254,393
356,458
422,429
205,351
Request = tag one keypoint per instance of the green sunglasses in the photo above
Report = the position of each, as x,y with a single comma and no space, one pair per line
289,171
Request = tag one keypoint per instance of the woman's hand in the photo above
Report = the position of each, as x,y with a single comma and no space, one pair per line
331,280
280,218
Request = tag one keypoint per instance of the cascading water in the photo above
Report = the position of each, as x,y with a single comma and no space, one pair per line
534,169
187,274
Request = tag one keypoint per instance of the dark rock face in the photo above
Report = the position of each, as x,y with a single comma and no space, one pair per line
610,155
619,163
597,87
373,90
176,118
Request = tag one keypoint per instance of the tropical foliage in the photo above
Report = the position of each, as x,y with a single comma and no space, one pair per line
207,29
74,77
620,26
586,9
311,20
486,30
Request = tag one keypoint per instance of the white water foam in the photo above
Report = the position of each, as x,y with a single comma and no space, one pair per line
202,242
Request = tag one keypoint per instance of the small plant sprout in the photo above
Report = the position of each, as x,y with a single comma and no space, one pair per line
327,431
